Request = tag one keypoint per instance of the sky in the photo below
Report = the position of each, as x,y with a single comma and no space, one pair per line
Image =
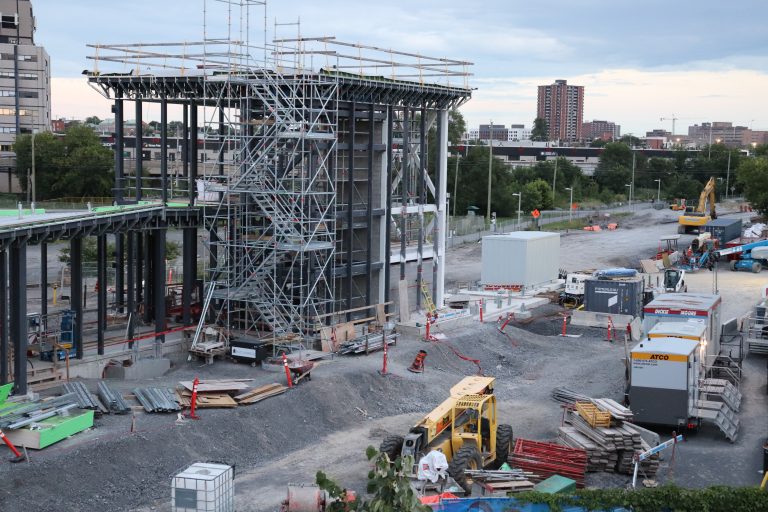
697,60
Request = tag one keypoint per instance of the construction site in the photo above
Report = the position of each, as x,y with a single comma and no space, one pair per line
318,310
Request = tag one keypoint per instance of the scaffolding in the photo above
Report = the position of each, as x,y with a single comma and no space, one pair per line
307,143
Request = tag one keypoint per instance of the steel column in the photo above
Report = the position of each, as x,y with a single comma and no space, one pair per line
369,211
101,295
131,283
18,323
422,199
441,224
147,256
43,281
158,268
138,146
189,257
3,317
185,137
388,207
119,150
404,181
164,149
139,260
76,293
192,152
119,271
350,201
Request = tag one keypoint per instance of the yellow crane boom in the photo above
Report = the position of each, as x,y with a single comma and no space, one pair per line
697,218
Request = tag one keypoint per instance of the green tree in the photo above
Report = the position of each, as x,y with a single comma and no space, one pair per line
172,251
761,150
388,485
598,143
92,120
537,195
752,175
615,154
540,131
631,141
77,166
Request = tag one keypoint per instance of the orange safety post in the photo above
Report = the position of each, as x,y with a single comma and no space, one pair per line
287,371
193,400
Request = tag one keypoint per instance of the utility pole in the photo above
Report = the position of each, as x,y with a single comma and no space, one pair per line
554,181
728,175
658,193
490,168
632,187
33,167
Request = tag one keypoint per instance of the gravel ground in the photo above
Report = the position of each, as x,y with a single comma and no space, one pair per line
326,423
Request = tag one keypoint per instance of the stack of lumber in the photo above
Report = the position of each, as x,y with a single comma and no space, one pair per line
260,393
499,483
608,448
226,393
567,396
543,460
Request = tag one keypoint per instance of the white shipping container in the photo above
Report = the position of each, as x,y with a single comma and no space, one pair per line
204,487
522,258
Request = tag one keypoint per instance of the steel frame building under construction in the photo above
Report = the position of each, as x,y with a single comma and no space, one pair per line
321,174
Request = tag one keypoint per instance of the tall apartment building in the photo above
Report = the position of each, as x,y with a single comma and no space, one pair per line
562,107
606,130
25,84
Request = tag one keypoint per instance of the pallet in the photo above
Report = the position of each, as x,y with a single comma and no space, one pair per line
43,378
594,416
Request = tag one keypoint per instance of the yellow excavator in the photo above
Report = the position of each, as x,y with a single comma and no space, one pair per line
464,427
695,219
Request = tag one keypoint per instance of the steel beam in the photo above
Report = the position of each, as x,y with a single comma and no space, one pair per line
101,295
369,210
119,150
18,323
76,292
421,193
441,224
147,256
185,138
350,201
139,260
406,176
130,248
388,207
192,152
43,281
119,272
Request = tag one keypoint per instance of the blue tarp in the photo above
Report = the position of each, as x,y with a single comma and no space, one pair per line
616,272
499,505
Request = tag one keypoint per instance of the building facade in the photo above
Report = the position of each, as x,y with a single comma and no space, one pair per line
495,132
562,107
518,132
720,132
605,130
25,86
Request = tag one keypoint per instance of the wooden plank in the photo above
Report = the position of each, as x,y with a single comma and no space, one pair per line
257,391
210,400
262,396
206,386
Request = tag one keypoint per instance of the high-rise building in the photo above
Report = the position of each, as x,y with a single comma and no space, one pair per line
562,107
25,84
605,130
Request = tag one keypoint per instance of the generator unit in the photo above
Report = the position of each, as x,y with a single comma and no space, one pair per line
664,385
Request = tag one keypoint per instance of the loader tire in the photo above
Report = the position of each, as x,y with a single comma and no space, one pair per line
392,446
757,267
466,458
732,264
504,439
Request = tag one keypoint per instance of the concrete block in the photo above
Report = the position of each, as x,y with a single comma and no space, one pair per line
141,369
594,319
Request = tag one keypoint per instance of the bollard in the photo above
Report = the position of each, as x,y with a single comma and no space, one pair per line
482,306
18,456
565,323
609,331
384,365
287,371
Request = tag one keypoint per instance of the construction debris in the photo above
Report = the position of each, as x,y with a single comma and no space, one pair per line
543,460
157,399
500,482
367,343
112,400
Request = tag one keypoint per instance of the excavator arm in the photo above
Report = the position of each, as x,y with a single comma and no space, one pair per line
708,195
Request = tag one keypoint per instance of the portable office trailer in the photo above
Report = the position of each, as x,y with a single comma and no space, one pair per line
664,385
692,329
724,229
520,259
682,307
617,296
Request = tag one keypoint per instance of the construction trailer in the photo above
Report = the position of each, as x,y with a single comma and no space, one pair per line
694,330
669,386
665,373
520,260
683,307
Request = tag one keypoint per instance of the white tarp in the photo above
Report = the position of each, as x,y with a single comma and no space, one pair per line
433,466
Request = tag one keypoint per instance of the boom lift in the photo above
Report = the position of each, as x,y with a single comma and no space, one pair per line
695,219
753,256
464,427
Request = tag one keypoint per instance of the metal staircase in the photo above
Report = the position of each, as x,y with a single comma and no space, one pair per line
721,390
721,415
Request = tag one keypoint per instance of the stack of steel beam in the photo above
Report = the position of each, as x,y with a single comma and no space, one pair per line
367,343
113,400
157,399
36,410
85,400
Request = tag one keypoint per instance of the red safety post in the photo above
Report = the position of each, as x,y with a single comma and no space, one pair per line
193,401
481,310
18,456
609,331
384,364
287,371
629,331
565,324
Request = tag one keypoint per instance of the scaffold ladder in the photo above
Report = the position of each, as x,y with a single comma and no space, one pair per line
430,306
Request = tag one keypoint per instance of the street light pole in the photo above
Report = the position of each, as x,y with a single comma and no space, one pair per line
629,195
633,178
570,205
728,175
490,168
658,194
456,184
519,199
554,181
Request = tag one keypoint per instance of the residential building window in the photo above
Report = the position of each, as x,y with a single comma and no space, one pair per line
6,93
7,111
9,20
27,76
7,129
6,147
28,58
28,94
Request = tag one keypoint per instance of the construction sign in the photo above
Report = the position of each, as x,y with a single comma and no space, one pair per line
536,214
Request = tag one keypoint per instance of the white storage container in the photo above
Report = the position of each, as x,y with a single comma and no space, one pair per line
522,258
204,487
